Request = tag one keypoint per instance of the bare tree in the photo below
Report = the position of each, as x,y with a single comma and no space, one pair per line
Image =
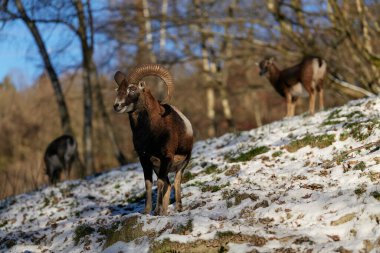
360,41
228,55
32,27
87,43
145,41
209,70
85,33
164,12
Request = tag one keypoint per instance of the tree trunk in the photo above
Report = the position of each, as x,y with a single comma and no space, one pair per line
87,123
91,80
105,117
256,109
210,92
145,39
62,108
207,69
348,89
164,12
227,53
87,51
210,95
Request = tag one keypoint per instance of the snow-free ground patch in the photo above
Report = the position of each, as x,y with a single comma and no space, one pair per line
303,184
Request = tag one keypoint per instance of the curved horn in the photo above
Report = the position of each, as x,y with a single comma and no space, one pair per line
144,70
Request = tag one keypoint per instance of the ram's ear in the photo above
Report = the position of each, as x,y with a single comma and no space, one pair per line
119,77
142,85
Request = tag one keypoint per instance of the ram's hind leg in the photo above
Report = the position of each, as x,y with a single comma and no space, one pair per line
312,103
180,161
177,189
320,94
310,85
166,196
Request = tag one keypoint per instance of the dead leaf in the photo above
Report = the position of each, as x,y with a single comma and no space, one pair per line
335,238
343,219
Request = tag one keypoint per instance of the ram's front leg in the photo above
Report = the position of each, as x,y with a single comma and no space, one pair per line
163,196
148,176
177,188
163,187
293,106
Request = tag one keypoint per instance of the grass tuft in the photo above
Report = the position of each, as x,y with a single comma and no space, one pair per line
81,231
360,166
361,130
221,234
187,177
334,114
344,136
213,188
3,223
331,122
106,231
137,198
247,156
376,195
277,153
320,141
359,191
212,169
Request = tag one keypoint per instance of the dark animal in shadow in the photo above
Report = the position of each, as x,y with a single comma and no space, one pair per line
59,156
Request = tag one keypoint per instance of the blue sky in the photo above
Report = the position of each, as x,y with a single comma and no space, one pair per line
21,59
20,56
17,57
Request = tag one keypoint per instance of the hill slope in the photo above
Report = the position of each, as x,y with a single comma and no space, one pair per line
304,184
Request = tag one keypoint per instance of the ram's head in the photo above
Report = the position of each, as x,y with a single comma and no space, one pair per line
130,87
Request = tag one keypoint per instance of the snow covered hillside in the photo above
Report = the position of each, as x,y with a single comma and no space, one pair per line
304,184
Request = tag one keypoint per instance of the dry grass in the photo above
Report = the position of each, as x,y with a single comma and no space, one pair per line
29,122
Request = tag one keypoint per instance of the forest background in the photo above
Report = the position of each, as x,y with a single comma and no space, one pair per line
211,47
